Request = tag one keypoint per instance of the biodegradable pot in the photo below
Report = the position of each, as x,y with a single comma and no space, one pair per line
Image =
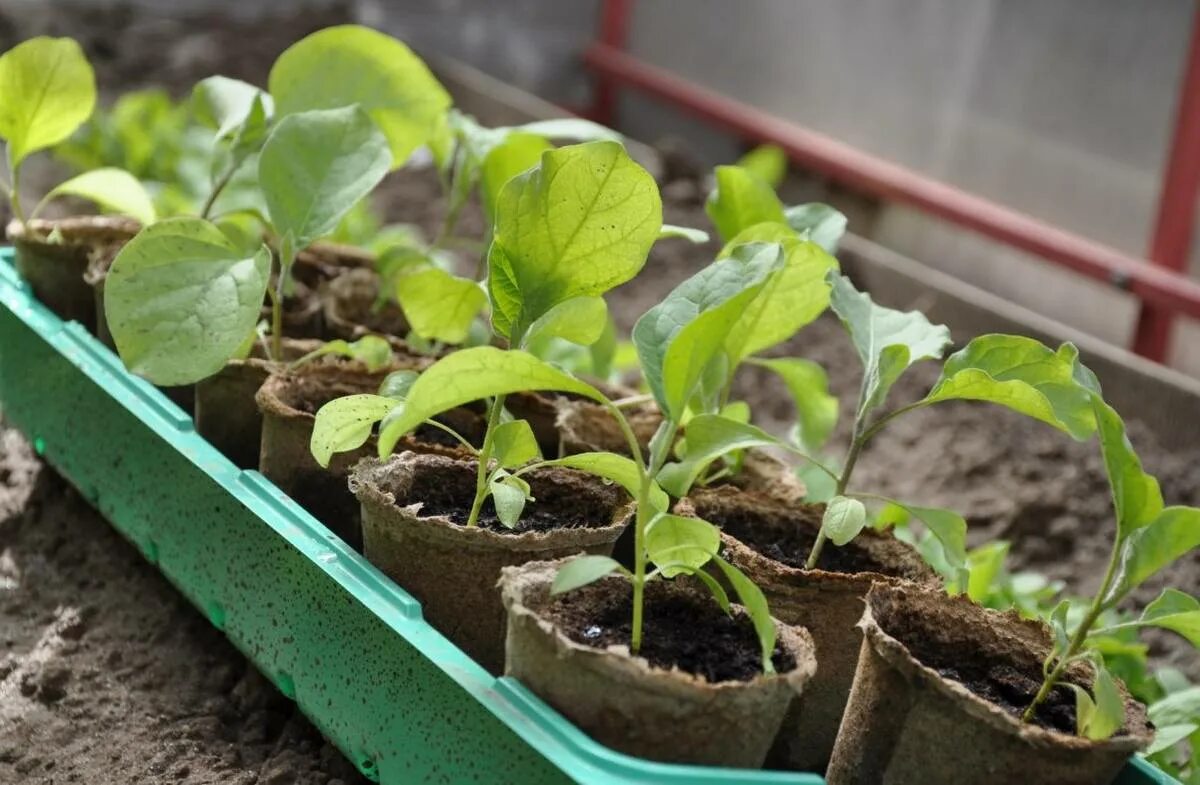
225,411
638,708
544,411
348,303
323,261
756,530
302,316
289,402
912,718
413,508
55,269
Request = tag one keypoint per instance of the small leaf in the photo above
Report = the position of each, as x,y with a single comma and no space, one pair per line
180,299
397,384
314,167
574,129
755,603
1058,625
514,444
225,104
948,527
844,518
579,224
471,375
987,565
1023,375
816,408
679,539
1178,707
47,90
818,222
1109,712
767,162
1136,496
517,153
670,231
580,320
509,498
677,338
708,437
438,305
349,64
887,341
345,424
1167,736
615,468
372,351
740,201
583,570
1176,611
1150,548
116,190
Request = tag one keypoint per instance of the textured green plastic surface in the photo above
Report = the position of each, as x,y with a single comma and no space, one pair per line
331,632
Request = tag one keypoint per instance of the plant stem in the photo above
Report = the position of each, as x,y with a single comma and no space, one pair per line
1077,640
14,194
287,256
485,459
856,445
218,187
658,456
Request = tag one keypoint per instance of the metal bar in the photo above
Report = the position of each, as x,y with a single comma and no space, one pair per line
614,32
1171,243
864,172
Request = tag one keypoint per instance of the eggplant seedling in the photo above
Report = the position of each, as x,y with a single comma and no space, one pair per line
1149,537
47,91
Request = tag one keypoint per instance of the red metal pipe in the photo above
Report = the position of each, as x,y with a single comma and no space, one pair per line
614,32
867,173
1171,243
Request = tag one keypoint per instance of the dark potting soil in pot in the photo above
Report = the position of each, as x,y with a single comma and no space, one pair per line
682,631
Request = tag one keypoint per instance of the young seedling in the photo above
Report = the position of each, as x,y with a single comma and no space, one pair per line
1149,537
47,90
566,231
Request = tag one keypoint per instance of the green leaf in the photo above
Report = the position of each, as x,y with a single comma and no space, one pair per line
516,154
986,565
315,165
947,526
509,495
180,299
755,603
574,129
116,190
225,104
1058,625
439,306
740,201
844,518
708,437
1023,375
615,468
677,338
1176,611
1167,736
1136,495
679,539
580,320
767,162
47,90
579,224
471,375
348,64
1107,714
696,236
397,384
887,341
370,350
1147,550
818,222
583,570
514,444
793,296
816,408
345,424
1178,707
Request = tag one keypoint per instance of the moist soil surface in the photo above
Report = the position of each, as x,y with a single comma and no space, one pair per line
680,630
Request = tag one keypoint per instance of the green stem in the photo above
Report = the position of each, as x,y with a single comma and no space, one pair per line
218,187
287,257
14,194
485,459
856,446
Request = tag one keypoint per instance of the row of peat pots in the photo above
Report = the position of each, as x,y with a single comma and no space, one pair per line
880,676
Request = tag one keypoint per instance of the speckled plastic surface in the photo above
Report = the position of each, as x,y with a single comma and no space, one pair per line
332,632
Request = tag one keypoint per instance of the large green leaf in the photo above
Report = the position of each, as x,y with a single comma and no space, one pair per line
1022,374
677,338
887,341
1147,550
345,424
1136,495
181,298
676,539
348,64
816,408
818,222
116,190
47,90
440,306
471,375
579,224
616,468
791,298
1176,611
315,166
740,201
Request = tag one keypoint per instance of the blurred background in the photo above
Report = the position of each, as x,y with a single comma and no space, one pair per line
1064,110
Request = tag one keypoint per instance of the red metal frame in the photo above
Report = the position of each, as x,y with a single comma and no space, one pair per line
1163,292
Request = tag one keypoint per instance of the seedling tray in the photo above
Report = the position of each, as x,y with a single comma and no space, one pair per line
331,632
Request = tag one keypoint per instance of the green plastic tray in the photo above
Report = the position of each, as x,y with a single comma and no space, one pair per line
332,633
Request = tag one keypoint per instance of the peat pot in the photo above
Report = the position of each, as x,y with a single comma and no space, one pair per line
916,712
414,508
350,303
696,694
769,541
